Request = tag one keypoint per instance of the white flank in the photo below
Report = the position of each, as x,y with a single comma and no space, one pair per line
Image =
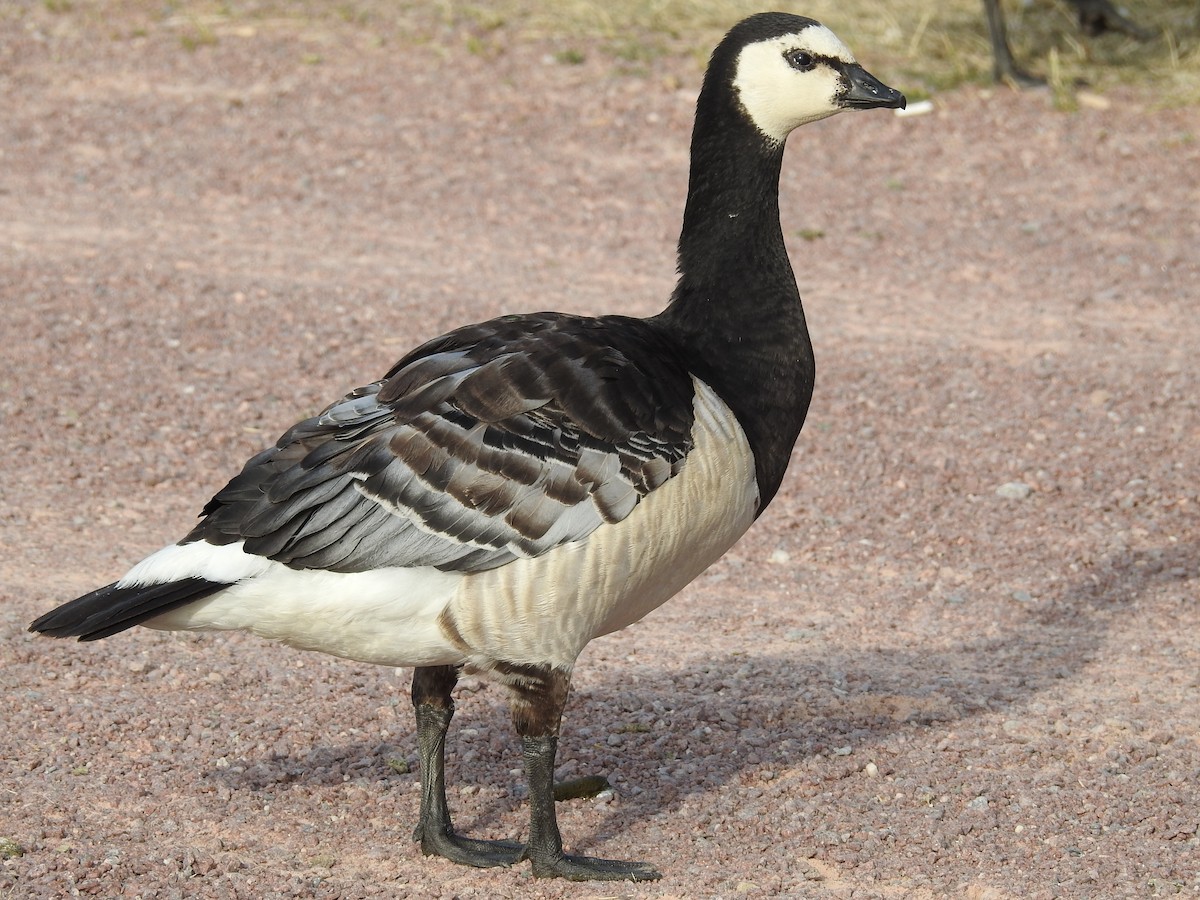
546,609
385,616
779,98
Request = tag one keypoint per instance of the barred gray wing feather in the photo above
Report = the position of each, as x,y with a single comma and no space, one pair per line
497,441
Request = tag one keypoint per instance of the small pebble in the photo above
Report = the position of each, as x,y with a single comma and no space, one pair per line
799,634
1088,100
1014,490
1019,730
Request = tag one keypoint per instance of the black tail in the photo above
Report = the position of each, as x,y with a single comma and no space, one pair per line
111,609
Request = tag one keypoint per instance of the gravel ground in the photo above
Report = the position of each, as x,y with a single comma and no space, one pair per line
958,657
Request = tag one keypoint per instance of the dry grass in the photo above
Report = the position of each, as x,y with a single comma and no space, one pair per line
921,46
925,47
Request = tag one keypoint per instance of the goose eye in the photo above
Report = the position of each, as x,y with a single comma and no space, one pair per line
800,59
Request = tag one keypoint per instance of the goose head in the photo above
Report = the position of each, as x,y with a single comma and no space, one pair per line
787,70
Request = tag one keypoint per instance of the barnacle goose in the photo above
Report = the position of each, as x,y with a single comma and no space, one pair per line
511,490
1095,18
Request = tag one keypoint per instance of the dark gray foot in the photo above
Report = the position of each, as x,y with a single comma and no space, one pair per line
468,851
1018,78
435,832
545,850
432,687
584,788
589,868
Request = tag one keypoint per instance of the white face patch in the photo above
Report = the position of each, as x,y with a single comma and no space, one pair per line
779,97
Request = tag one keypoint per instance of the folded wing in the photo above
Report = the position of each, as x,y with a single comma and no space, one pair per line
496,441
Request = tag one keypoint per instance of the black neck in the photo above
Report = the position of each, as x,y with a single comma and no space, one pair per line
732,211
736,311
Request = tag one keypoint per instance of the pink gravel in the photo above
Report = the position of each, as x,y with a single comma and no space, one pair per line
902,683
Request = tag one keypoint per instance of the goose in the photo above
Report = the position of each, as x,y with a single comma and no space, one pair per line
513,489
1095,18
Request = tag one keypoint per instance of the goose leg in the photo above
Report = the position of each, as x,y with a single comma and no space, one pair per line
539,696
1004,67
434,708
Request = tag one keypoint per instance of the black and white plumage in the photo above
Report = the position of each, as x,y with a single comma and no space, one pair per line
516,488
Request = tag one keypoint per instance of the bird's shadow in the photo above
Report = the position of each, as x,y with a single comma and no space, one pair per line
770,705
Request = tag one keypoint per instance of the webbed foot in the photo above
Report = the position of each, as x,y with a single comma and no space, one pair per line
590,868
467,851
